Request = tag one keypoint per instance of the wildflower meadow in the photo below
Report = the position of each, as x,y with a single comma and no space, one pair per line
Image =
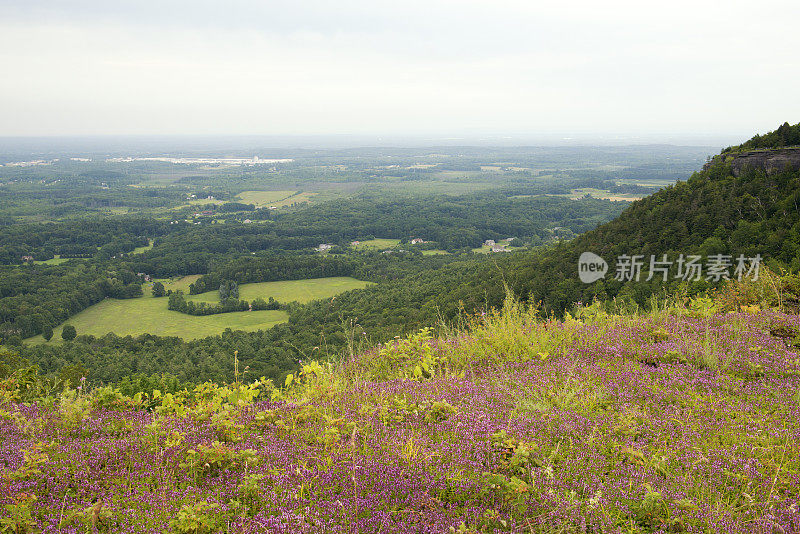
683,419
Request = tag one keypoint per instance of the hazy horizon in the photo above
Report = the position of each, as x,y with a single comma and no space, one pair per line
620,71
275,146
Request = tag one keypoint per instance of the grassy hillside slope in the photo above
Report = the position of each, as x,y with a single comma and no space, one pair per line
680,420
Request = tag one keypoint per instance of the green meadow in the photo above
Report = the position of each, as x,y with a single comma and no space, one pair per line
150,315
139,250
57,260
301,291
278,199
377,244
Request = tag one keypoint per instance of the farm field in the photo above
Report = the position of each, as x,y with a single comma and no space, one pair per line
604,194
139,250
57,260
262,198
377,244
279,199
434,187
173,284
289,290
150,315
204,201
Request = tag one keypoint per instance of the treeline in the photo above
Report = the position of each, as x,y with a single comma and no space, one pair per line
785,135
114,359
177,302
274,267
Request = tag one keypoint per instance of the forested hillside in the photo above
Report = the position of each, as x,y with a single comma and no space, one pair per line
711,213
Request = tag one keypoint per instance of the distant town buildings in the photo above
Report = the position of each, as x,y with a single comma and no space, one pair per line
32,163
323,247
255,160
489,243
417,241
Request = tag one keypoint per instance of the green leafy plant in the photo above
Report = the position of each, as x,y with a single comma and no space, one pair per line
19,517
196,518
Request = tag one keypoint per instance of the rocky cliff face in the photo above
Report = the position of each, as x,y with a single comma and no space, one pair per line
770,161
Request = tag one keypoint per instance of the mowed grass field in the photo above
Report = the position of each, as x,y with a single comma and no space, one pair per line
57,260
377,244
263,198
140,250
150,315
290,290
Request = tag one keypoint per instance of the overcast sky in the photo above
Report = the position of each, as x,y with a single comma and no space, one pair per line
432,67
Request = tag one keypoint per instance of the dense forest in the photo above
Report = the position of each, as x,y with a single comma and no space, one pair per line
83,238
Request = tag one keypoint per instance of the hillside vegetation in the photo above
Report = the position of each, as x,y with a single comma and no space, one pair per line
684,419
